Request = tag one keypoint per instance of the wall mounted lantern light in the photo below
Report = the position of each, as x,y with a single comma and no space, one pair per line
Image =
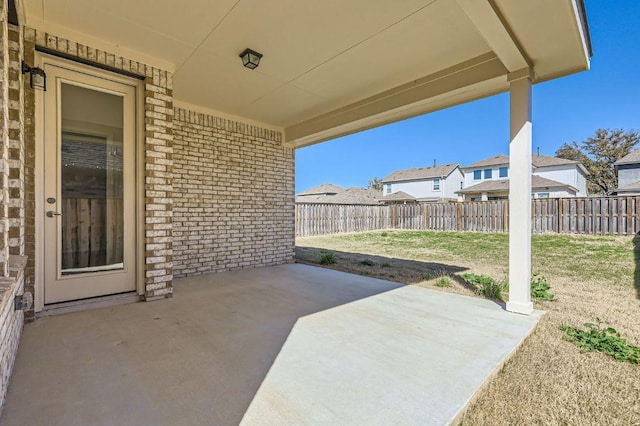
38,79
250,58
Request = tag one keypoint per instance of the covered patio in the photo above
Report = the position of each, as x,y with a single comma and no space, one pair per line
200,151
289,344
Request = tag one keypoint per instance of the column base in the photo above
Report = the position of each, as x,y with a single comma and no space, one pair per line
520,308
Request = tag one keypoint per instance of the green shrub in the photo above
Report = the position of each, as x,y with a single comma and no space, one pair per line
368,262
384,234
386,264
327,258
444,280
540,288
486,286
606,340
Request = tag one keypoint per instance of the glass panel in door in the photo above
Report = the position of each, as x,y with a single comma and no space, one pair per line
91,181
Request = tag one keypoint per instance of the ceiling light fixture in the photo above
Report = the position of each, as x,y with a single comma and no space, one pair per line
38,79
250,58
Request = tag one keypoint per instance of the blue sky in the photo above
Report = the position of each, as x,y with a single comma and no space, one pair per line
564,110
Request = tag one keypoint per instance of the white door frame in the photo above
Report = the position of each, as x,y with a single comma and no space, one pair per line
40,206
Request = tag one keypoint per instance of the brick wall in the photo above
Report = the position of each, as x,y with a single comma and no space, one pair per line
11,322
4,140
29,146
16,145
233,195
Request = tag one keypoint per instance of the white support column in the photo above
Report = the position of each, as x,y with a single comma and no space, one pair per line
520,193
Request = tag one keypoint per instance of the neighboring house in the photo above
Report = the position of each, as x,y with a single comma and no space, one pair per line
332,194
552,178
628,171
425,184
318,194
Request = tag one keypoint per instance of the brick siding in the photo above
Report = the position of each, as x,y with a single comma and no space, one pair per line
4,141
233,195
11,322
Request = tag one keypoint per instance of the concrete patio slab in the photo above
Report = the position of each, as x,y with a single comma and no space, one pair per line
290,344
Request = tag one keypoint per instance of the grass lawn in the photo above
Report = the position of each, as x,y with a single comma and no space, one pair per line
548,380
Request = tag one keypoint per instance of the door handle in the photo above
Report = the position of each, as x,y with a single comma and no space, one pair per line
51,213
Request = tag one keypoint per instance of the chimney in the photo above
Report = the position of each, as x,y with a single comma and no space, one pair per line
538,150
434,162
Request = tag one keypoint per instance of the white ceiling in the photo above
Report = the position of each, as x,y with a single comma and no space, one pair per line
323,58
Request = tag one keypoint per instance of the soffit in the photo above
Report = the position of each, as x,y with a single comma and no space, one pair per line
325,61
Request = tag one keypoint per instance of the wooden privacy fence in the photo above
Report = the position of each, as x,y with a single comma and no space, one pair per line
92,232
593,215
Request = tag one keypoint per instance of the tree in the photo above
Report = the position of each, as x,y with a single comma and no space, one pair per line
598,153
375,183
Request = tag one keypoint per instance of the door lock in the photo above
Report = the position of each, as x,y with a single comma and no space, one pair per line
51,213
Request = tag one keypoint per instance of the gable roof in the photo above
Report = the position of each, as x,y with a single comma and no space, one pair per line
421,173
398,196
537,160
360,196
496,160
630,158
325,188
502,185
545,161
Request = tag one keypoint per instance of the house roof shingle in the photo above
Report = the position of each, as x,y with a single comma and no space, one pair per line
546,161
496,160
354,195
325,188
421,173
502,185
630,158
399,196
536,159
361,196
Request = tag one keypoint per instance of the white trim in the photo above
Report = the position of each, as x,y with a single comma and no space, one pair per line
583,37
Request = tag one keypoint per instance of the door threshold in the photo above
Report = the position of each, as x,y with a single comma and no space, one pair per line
86,304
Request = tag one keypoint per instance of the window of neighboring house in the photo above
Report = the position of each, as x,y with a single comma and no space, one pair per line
543,195
504,172
476,198
487,173
477,174
388,188
461,185
436,184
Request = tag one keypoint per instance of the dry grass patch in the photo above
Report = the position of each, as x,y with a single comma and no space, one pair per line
549,380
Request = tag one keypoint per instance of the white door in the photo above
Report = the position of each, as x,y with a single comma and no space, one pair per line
89,184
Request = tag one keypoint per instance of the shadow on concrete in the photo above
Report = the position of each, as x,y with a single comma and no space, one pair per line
198,358
388,268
